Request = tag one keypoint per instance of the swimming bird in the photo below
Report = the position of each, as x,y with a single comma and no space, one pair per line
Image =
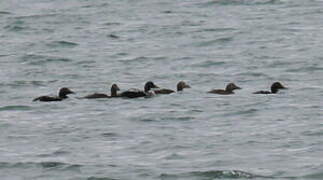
180,87
273,89
135,93
114,89
63,92
228,90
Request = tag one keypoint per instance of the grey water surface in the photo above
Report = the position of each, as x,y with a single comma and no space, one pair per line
87,45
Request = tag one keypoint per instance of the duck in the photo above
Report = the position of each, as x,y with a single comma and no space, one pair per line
63,92
180,87
114,90
228,90
136,93
273,89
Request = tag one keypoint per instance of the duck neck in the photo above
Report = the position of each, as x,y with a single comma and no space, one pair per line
274,90
147,89
113,93
228,90
62,95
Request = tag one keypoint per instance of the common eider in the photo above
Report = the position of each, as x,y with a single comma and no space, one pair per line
180,87
228,90
63,92
114,89
135,93
274,89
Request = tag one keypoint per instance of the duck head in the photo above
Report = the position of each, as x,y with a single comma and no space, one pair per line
231,86
63,92
276,86
114,89
149,85
181,85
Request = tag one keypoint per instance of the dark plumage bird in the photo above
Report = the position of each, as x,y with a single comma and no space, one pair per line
114,90
135,93
63,92
228,90
273,89
180,87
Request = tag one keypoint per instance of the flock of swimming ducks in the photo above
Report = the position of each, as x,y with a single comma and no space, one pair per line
150,89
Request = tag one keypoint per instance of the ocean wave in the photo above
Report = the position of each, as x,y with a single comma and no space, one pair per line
4,12
5,55
15,108
44,165
17,25
113,36
62,44
221,40
100,178
112,24
100,5
153,119
242,2
141,59
253,74
213,174
209,63
54,154
37,59
217,30
318,175
15,28
182,118
244,112
306,69
313,133
109,134
24,83
34,16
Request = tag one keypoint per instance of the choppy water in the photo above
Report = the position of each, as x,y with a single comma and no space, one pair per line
87,45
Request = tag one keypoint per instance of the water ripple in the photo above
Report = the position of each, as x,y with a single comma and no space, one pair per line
242,2
45,165
100,178
318,175
57,44
222,40
213,174
209,63
24,83
15,28
306,69
37,59
217,30
15,108
4,12
34,16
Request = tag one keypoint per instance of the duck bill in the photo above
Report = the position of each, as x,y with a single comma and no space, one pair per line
237,87
71,92
187,86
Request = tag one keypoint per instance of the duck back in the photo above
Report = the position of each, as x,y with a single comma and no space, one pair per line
262,92
96,95
47,99
133,93
164,91
220,91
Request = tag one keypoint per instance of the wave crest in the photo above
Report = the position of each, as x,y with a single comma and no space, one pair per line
213,174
